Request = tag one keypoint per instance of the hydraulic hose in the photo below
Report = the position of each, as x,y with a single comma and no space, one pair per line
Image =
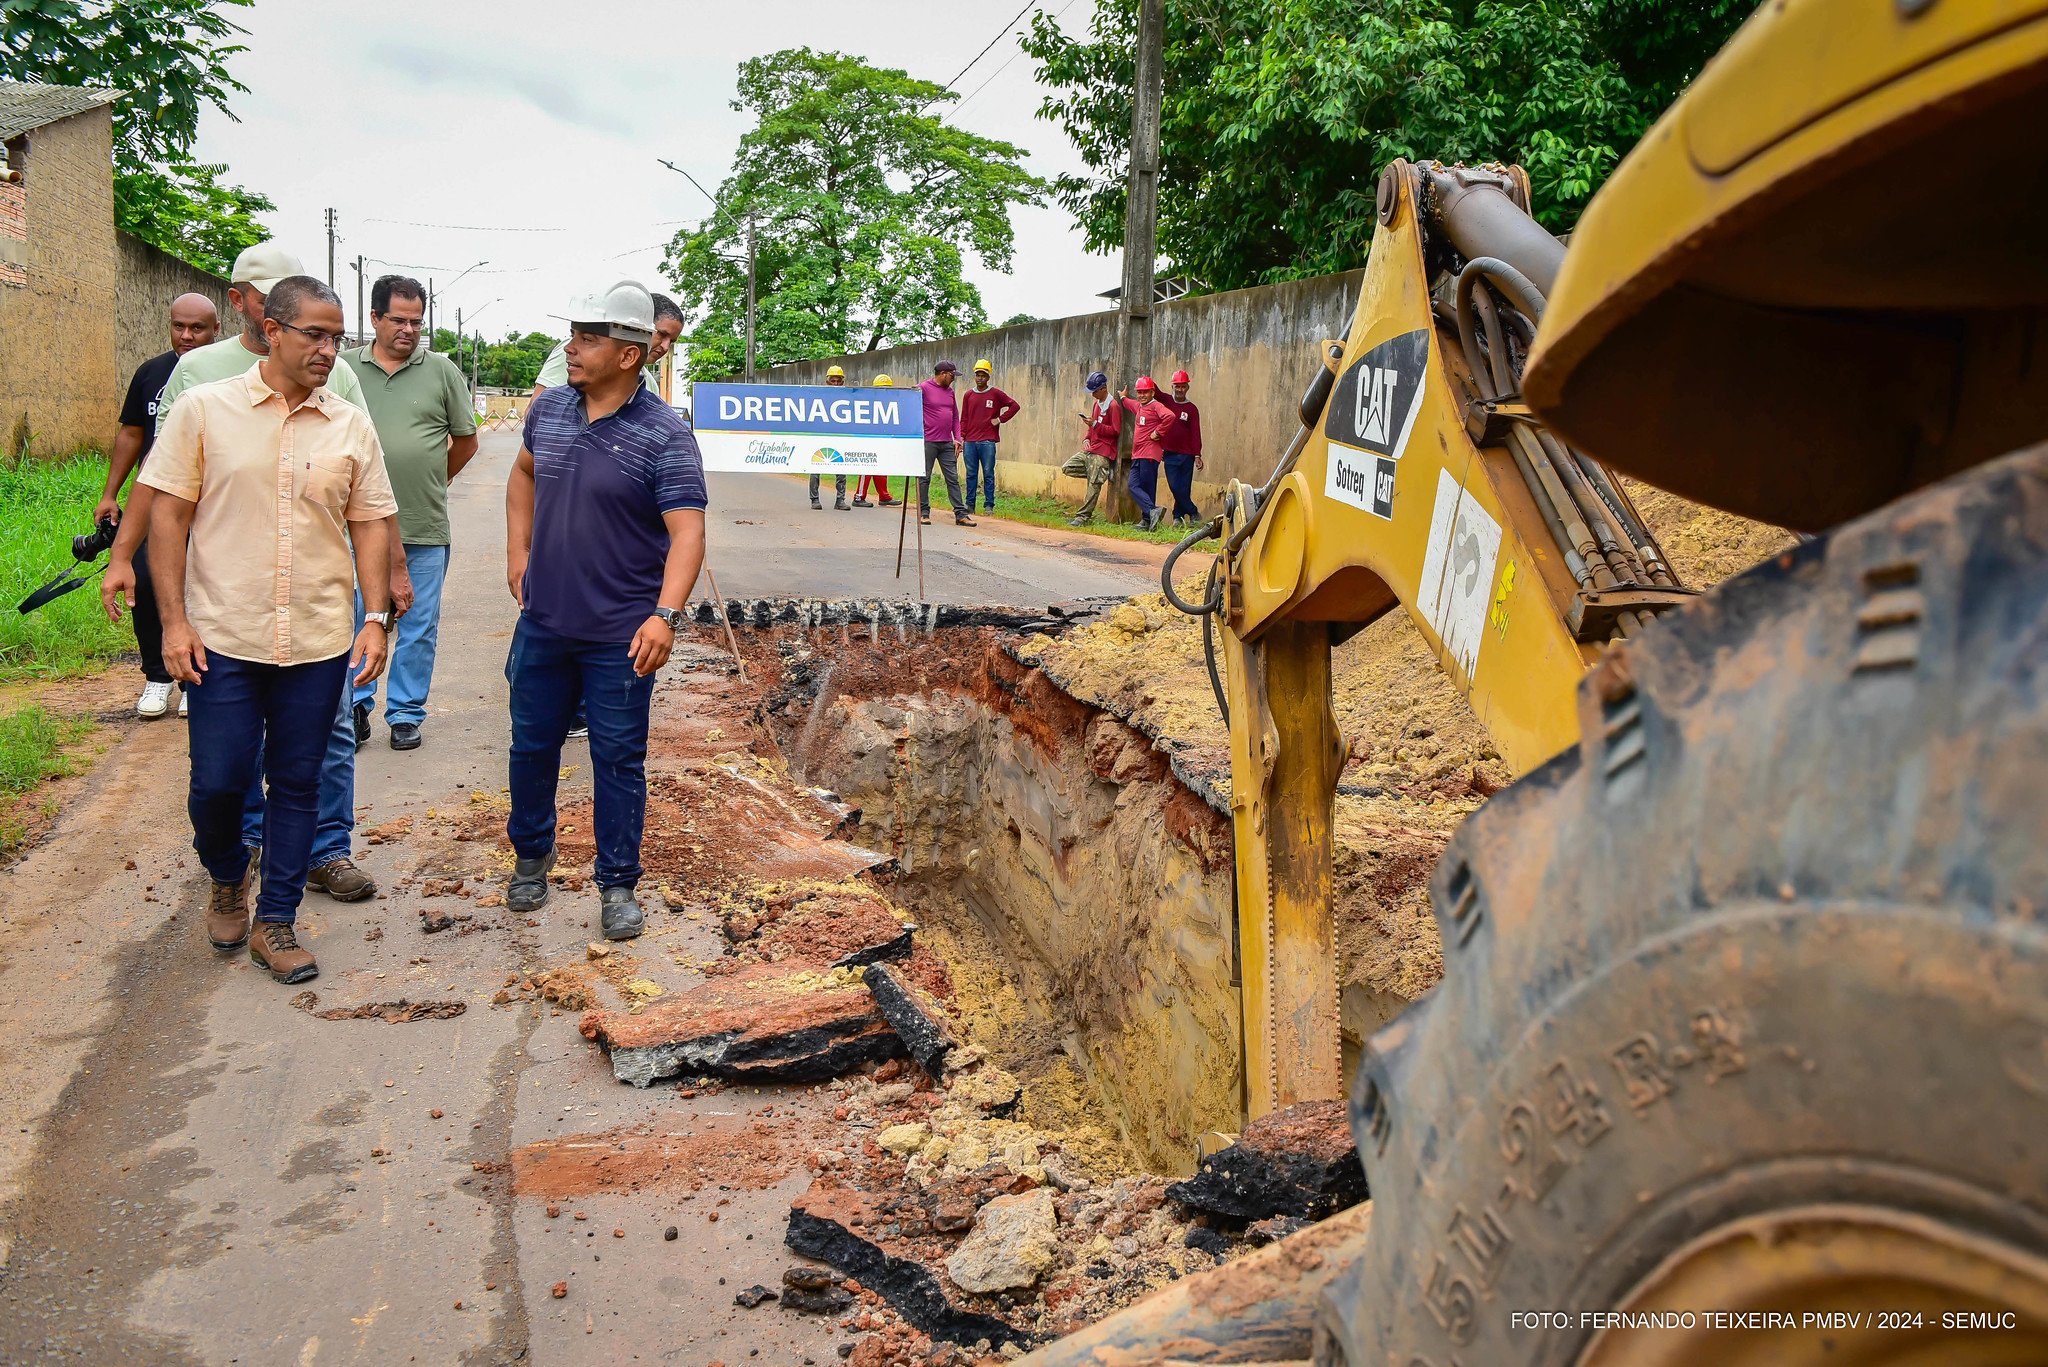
1209,643
1515,284
1213,527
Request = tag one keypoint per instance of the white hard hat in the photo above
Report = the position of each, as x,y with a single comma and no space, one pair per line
263,265
626,308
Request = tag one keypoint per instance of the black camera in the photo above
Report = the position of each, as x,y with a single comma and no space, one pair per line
95,543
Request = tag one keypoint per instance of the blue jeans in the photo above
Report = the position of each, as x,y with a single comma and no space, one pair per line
981,457
1180,478
1144,485
550,675
336,821
250,720
411,671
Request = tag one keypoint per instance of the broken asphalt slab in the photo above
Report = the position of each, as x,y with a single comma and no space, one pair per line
768,1023
920,1021
1300,1162
821,1226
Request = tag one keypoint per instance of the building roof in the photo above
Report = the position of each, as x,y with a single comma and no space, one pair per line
25,106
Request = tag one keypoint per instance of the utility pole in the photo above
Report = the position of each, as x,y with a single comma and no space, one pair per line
1141,213
359,301
750,297
430,313
460,338
330,249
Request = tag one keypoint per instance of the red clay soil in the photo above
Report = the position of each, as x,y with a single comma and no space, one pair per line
1320,1130
641,1160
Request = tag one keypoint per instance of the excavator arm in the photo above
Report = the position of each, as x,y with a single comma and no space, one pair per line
1418,479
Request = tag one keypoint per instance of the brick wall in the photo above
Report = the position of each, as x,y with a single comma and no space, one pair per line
147,281
57,378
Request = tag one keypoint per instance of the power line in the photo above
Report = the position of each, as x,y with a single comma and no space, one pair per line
1001,34
999,70
462,227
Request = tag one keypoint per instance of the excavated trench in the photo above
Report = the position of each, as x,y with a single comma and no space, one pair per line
1057,848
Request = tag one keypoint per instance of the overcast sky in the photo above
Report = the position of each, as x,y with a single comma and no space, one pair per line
517,117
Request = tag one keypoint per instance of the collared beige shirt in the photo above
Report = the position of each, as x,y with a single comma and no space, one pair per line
269,576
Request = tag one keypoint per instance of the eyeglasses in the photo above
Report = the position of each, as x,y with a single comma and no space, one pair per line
322,341
405,324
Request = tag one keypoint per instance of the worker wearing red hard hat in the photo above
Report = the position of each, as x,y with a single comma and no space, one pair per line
1151,422
1183,452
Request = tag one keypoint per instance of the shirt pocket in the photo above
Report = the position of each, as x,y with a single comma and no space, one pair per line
327,481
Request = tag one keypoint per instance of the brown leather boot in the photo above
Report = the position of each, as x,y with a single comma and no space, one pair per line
227,915
340,879
276,947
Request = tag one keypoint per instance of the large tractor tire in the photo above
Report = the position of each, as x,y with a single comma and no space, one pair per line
1745,1005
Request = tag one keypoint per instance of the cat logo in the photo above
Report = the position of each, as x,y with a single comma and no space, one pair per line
1375,401
1371,414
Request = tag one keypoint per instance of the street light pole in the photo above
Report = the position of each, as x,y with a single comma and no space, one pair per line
330,249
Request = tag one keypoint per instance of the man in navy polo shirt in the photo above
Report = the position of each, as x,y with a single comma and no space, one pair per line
604,519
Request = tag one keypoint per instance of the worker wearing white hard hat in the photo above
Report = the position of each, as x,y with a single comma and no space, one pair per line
604,521
668,326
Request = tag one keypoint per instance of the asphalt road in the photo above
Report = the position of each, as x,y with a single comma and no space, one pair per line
187,1171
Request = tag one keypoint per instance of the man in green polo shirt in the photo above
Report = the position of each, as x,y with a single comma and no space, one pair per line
426,423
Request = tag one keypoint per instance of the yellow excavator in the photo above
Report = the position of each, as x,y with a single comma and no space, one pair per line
1741,1051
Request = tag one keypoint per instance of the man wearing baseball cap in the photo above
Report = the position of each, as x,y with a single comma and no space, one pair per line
1097,459
941,442
983,411
835,377
604,537
1183,452
256,273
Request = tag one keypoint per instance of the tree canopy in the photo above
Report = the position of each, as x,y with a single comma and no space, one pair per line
513,363
169,60
864,203
1279,114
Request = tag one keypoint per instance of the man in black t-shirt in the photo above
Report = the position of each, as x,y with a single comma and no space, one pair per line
194,323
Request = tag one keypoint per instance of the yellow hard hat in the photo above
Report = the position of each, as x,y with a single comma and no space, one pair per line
884,382
835,371
984,365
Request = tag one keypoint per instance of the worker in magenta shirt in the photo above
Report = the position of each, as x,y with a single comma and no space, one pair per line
1183,452
941,442
1152,422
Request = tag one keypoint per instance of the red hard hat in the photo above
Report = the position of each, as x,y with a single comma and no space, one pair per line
1145,382
1180,377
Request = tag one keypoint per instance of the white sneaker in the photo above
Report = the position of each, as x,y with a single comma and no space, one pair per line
155,700
184,701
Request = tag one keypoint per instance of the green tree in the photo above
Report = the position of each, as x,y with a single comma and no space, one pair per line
1279,114
863,206
168,58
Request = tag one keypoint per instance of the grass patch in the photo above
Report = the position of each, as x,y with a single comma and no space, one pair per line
32,745
1043,510
43,504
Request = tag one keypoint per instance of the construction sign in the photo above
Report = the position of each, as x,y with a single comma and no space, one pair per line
779,429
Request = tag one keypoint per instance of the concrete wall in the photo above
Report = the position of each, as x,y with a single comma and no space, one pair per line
57,376
149,280
1249,355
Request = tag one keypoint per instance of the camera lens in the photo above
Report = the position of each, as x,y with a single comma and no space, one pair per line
91,545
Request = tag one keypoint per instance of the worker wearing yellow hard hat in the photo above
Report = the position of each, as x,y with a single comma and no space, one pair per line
879,482
983,411
836,378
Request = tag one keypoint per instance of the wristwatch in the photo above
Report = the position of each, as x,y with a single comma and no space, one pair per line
674,618
382,619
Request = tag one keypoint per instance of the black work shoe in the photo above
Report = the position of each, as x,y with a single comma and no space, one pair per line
842,505
815,504
405,735
863,503
529,888
621,915
361,713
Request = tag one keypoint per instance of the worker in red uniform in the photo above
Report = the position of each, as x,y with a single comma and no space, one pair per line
1152,422
1183,452
1104,419
983,411
878,482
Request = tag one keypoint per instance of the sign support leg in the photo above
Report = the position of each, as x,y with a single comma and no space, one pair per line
731,641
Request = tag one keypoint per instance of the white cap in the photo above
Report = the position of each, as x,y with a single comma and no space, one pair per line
263,265
626,308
